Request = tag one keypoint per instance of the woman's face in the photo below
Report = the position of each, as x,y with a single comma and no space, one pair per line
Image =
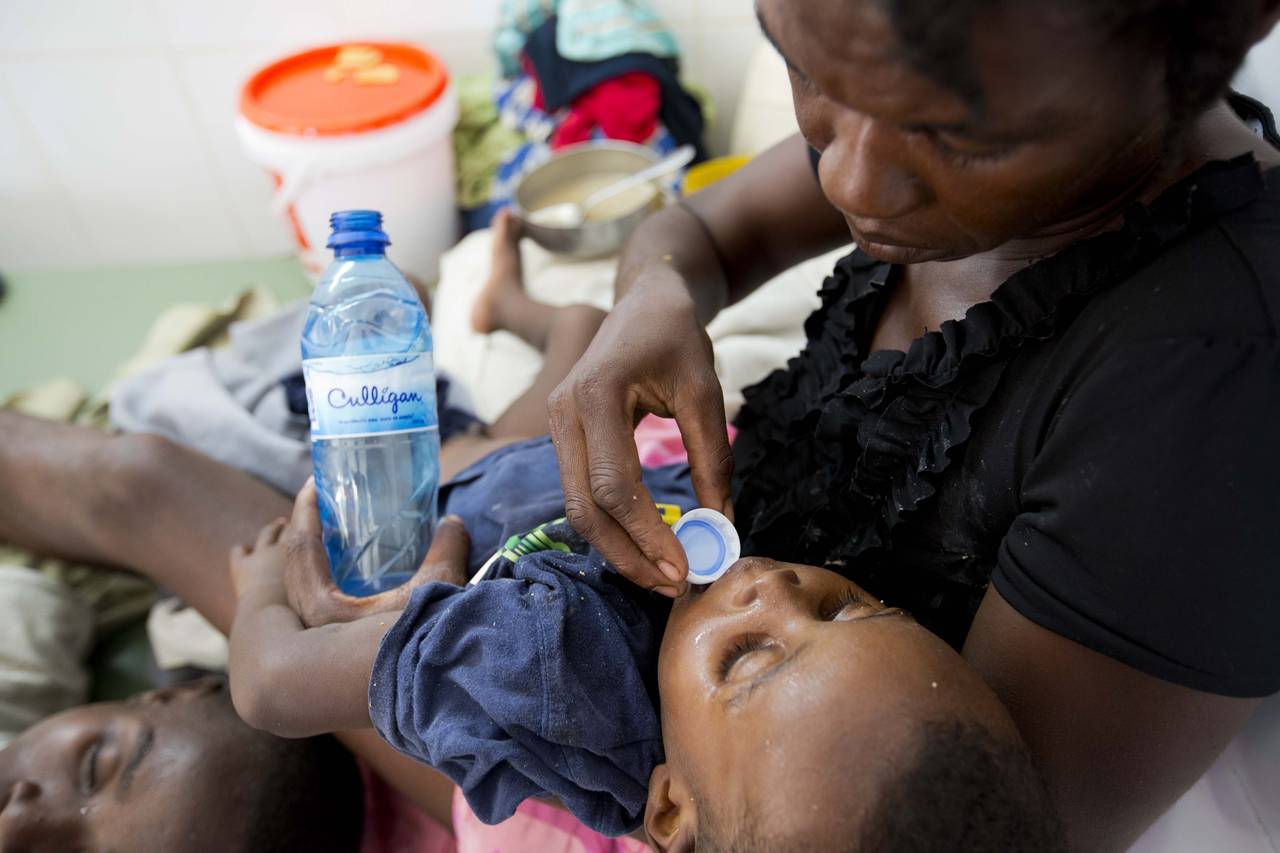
1072,125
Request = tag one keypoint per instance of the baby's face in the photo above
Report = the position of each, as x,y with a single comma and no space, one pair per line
787,691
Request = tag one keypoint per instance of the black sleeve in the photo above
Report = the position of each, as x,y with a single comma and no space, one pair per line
1149,527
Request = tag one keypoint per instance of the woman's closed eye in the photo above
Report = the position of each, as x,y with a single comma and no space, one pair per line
748,655
959,147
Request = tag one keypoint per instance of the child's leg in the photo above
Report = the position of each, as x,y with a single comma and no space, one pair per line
569,333
561,333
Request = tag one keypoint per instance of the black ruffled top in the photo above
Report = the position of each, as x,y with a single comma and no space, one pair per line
913,471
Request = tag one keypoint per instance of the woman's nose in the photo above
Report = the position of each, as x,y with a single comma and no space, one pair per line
771,585
865,175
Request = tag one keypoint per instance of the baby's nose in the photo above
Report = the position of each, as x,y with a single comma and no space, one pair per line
771,585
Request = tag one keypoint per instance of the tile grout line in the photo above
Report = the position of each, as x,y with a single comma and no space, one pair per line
32,135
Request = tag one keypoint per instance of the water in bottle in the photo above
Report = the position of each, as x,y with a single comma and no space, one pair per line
375,441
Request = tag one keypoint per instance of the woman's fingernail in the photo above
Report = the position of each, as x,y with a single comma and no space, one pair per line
671,571
668,591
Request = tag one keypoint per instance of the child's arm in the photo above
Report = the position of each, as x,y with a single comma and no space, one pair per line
296,681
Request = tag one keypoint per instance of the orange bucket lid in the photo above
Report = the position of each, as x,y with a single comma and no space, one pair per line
313,94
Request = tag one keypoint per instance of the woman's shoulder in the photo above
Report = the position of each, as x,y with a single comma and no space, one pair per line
1219,279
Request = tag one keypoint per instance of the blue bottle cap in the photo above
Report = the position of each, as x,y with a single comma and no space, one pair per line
356,228
710,543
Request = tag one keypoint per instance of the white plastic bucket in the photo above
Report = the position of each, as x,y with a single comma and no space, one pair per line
405,170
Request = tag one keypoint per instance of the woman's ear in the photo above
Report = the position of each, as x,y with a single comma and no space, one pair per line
670,816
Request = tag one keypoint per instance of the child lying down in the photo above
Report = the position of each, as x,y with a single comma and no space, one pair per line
779,708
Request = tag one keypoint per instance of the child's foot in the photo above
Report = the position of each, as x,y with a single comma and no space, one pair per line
506,280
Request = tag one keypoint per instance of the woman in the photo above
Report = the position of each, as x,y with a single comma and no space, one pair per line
1039,403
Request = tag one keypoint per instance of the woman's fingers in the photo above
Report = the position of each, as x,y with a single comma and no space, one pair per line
617,488
605,500
700,416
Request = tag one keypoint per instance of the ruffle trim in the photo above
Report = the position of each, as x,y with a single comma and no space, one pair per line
907,411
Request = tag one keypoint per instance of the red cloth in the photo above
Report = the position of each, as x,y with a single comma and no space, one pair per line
624,107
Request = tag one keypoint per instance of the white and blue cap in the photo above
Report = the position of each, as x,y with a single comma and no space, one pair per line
710,543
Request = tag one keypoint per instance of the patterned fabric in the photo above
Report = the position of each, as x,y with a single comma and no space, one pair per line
587,31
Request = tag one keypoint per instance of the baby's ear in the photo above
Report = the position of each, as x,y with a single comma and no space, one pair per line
671,815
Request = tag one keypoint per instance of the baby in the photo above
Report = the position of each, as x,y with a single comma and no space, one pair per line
797,712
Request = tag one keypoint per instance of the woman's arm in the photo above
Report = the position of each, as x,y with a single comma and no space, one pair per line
1117,747
728,239
652,353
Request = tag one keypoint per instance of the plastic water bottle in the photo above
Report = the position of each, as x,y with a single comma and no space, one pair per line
375,440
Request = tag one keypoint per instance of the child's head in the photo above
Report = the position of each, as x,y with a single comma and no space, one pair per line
174,769
801,713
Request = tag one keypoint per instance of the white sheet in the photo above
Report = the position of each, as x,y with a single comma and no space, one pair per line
751,338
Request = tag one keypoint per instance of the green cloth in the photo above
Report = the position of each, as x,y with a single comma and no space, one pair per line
481,142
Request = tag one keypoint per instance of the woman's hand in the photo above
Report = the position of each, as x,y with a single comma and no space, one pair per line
308,581
651,355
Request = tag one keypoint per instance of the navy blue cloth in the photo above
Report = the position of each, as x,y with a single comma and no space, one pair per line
541,679
516,488
562,81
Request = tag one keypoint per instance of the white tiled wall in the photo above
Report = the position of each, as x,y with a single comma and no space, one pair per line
116,142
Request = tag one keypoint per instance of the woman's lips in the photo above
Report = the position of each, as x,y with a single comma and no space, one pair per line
880,238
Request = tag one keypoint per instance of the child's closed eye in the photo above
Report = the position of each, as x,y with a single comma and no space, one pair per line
848,600
747,655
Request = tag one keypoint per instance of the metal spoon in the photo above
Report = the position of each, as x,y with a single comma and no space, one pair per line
571,214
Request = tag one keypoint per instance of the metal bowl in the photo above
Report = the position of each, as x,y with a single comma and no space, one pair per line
594,238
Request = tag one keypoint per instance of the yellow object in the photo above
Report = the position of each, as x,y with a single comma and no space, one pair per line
354,56
379,75
670,513
363,64
705,174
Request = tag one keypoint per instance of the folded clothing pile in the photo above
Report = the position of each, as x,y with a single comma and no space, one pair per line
573,71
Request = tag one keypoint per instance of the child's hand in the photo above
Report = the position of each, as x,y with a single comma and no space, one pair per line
298,682
261,565
308,581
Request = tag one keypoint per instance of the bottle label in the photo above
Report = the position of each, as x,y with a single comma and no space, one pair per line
352,396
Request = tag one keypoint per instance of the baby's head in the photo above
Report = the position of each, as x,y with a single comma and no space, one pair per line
174,769
799,713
